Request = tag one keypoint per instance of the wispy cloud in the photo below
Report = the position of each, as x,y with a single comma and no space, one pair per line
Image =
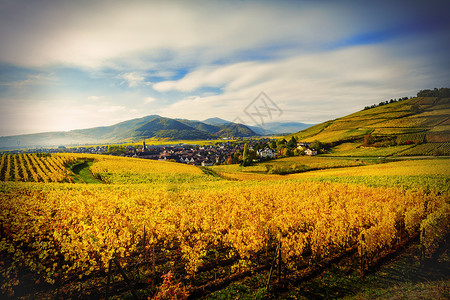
134,79
31,79
108,60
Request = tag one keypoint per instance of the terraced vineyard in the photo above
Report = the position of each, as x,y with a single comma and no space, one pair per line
421,120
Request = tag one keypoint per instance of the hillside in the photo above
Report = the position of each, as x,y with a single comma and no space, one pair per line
225,129
152,126
103,134
171,129
421,123
215,121
268,128
285,127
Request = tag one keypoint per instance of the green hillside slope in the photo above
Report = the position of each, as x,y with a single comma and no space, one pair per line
421,123
152,126
169,128
223,130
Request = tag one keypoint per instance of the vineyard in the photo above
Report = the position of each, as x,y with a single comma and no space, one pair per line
348,150
306,162
204,232
428,149
35,168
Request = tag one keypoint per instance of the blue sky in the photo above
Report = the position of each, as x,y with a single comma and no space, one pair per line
78,64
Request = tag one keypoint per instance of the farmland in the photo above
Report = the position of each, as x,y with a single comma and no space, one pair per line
160,217
416,126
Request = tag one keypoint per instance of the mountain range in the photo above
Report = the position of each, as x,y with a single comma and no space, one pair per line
268,128
152,126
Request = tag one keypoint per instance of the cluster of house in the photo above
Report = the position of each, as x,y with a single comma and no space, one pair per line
93,149
306,147
190,154
268,152
205,155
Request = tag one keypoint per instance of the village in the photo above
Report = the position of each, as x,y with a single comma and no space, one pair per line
220,153
227,152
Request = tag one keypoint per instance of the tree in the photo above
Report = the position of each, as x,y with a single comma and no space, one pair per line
285,152
247,156
273,144
245,153
281,142
317,145
116,150
368,140
292,144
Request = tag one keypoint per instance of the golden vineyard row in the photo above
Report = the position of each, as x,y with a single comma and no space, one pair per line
35,167
73,230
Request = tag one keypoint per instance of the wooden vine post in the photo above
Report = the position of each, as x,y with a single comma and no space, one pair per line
362,254
277,254
124,275
422,244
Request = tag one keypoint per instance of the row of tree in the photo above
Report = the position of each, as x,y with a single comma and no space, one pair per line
386,102
439,93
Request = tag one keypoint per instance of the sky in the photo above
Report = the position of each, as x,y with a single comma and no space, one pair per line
78,64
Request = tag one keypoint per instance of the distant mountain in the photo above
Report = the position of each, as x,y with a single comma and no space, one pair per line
153,126
235,130
104,134
266,129
216,121
285,127
222,128
213,129
171,129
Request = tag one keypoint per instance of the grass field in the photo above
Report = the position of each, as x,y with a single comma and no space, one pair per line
295,163
354,149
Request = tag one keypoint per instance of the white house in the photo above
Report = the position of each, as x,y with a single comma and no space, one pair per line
266,152
310,152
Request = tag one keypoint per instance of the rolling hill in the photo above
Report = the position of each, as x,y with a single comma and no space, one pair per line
225,129
269,128
171,129
421,123
152,126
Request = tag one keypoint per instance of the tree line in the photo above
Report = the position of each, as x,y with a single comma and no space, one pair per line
438,93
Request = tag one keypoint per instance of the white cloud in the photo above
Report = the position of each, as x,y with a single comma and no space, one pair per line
134,79
31,79
149,100
302,54
21,116
308,88
105,33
